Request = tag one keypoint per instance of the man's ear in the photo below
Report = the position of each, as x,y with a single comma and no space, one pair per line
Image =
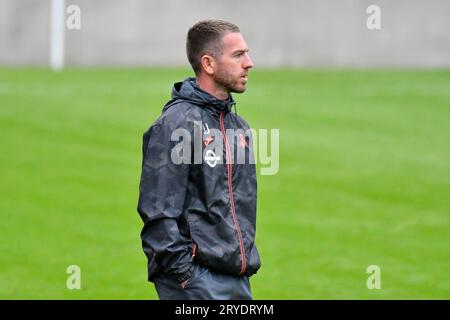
208,64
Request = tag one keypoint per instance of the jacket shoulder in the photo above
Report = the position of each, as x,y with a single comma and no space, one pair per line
182,111
181,114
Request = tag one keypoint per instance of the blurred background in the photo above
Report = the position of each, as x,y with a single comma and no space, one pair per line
289,33
361,99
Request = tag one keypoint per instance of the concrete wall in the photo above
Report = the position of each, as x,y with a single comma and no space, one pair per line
305,33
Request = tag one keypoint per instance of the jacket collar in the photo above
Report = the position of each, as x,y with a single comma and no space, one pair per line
190,91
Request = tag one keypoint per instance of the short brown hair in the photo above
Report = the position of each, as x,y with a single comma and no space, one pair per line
205,37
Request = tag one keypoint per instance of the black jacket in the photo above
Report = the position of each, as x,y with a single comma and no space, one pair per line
202,210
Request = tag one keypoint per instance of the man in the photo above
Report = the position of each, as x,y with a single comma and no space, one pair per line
199,216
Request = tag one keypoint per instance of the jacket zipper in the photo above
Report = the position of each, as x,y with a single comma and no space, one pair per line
230,191
194,250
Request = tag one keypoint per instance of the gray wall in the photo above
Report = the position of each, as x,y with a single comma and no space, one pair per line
314,33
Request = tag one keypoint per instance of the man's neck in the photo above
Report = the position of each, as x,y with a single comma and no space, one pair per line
212,88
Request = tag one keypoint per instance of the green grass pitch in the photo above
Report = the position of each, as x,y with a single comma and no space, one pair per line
364,179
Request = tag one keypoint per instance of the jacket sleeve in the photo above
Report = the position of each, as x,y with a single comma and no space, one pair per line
162,193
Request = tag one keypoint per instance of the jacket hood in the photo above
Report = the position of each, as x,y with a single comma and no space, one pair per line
189,90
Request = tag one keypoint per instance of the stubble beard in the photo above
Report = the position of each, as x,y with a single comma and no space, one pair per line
226,81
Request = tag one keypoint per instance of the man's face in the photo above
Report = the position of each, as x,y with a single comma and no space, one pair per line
233,64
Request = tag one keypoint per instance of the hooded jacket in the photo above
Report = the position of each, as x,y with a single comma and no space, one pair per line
198,188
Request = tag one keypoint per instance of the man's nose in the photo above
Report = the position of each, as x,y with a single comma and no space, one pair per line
248,63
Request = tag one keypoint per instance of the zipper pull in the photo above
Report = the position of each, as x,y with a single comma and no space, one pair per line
194,252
